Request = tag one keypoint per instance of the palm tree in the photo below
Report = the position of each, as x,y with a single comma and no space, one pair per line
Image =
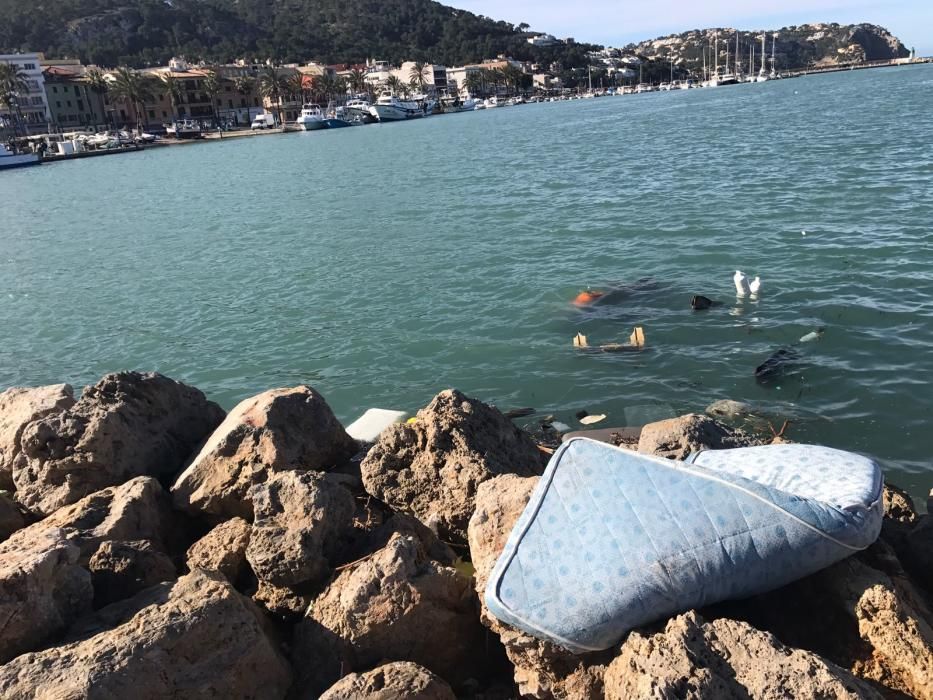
416,76
175,93
394,85
475,84
12,83
244,85
212,86
272,86
134,89
99,86
513,77
295,86
357,80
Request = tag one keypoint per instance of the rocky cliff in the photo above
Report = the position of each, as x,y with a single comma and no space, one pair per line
794,47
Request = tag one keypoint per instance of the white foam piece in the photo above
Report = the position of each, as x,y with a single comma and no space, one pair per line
370,425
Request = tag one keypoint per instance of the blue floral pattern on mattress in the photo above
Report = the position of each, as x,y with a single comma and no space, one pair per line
612,539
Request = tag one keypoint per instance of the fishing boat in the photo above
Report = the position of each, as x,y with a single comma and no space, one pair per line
389,108
9,159
311,118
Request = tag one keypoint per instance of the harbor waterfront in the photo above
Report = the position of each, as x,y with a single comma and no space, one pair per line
381,264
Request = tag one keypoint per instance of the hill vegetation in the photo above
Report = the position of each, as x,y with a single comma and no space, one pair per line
149,32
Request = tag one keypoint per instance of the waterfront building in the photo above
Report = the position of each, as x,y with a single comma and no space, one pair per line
72,103
435,76
31,110
543,40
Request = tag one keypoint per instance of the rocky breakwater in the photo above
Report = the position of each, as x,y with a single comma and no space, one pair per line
151,547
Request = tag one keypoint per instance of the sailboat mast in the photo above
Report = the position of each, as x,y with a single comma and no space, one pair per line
736,53
716,69
764,51
773,45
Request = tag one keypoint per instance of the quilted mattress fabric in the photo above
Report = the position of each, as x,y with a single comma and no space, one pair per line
611,540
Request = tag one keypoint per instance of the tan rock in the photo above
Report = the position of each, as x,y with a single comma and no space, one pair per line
432,467
278,430
42,589
121,569
542,669
300,517
397,605
11,519
282,603
893,621
136,510
128,424
722,659
898,505
202,639
401,679
222,549
19,407
676,438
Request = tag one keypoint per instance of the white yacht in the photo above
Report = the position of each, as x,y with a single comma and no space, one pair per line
389,108
8,159
311,118
492,102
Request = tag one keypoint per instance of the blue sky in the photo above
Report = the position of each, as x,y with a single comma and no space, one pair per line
616,23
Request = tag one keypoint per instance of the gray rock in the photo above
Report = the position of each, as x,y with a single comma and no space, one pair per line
42,589
121,569
200,638
431,468
300,517
278,430
128,424
392,681
676,438
19,407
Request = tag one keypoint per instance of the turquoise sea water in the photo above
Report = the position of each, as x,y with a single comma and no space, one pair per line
381,264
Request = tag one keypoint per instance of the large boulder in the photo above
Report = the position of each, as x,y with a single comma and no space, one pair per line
400,679
722,659
278,430
893,622
300,517
136,510
120,570
11,519
676,438
199,638
128,424
222,549
432,467
396,605
42,589
541,669
20,406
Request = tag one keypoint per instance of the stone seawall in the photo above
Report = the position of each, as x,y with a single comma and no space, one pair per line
153,546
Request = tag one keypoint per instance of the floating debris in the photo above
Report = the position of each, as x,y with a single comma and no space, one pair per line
590,420
777,365
636,342
520,412
700,303
813,335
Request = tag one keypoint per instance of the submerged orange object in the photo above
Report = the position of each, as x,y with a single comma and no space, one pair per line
587,297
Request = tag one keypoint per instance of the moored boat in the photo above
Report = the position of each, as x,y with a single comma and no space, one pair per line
311,118
389,108
184,129
9,159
